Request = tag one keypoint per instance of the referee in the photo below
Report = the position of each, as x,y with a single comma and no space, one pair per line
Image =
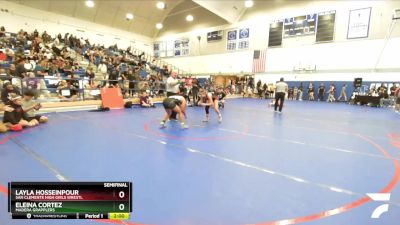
280,91
173,88
172,85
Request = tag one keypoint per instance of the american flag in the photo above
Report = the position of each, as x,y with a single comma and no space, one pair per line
259,59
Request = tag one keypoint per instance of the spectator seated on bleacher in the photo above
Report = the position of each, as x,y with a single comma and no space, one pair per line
90,74
3,56
165,72
145,101
12,70
67,54
9,54
2,31
153,65
3,74
66,91
32,84
92,91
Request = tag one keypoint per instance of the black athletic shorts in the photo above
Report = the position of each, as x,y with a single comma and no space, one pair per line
169,103
37,117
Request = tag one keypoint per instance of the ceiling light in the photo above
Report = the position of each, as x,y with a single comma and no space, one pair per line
129,16
248,3
159,26
189,18
89,3
160,5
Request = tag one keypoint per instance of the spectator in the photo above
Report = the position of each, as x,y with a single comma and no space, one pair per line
195,91
113,75
103,70
132,77
331,93
321,92
9,54
382,91
122,80
234,87
40,69
29,65
183,91
8,89
11,70
90,74
30,107
2,31
343,93
373,92
271,89
3,72
397,95
393,90
295,93
4,76
48,54
5,127
221,94
153,65
392,95
17,116
311,92
66,91
189,83
32,84
3,56
291,93
20,70
165,72
259,90
301,91
145,101
265,90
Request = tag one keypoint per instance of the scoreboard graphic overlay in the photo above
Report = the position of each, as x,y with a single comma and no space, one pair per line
70,200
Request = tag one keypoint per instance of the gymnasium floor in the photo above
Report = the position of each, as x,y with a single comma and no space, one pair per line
313,164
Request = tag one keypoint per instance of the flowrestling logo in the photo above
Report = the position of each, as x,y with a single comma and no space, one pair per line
379,197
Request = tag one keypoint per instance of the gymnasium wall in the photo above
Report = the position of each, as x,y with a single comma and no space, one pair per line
338,79
29,19
337,56
328,77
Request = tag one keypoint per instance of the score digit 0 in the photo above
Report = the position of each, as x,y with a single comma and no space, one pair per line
121,194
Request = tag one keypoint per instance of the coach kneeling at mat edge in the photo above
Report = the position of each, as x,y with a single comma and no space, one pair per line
280,90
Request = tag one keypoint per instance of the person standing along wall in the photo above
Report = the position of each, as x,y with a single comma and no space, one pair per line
331,95
311,92
397,96
301,91
321,92
343,93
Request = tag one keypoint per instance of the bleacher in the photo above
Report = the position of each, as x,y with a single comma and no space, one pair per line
48,90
